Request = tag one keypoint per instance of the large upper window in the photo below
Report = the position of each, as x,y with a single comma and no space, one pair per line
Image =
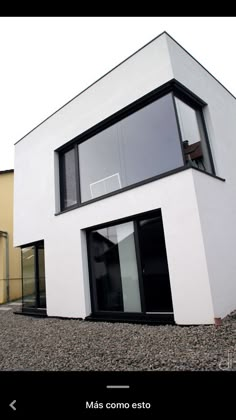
162,136
142,145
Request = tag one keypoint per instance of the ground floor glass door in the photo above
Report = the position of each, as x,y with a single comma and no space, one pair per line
33,276
114,268
154,266
128,267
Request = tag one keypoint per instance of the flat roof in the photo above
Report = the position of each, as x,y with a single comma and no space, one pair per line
161,34
6,171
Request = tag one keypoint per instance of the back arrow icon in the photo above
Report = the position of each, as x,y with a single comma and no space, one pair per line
12,405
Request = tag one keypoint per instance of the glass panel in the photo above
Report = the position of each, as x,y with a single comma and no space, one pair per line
156,283
192,131
188,122
115,268
142,145
150,141
68,179
99,163
28,272
128,267
41,273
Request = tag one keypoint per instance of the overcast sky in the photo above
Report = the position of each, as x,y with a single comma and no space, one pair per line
45,61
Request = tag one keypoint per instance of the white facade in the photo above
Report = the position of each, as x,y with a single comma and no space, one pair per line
198,210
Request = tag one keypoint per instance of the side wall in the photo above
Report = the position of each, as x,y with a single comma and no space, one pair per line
217,224
216,201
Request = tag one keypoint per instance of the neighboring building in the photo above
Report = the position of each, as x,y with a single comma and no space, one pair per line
130,191
10,258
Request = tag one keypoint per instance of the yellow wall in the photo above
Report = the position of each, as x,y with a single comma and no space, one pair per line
6,224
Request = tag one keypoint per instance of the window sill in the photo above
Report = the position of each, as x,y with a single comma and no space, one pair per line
138,184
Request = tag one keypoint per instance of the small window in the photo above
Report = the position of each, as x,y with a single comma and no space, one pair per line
193,136
68,179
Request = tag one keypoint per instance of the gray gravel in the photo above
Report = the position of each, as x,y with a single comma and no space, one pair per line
51,344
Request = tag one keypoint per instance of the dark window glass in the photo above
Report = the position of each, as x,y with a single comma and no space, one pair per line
142,145
193,136
68,179
155,273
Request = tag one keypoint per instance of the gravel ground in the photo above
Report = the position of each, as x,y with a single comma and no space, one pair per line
51,344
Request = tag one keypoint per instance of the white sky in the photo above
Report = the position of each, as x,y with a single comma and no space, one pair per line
45,61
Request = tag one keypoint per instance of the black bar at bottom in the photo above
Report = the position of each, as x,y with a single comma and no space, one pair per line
106,394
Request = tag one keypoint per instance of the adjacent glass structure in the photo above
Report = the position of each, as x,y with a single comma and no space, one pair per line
160,137
28,276
33,276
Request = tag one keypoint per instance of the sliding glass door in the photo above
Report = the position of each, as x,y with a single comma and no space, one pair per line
128,267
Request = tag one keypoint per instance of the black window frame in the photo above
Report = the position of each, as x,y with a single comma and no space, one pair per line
198,107
36,246
95,311
62,176
176,89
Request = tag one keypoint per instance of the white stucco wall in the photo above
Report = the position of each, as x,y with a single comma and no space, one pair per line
217,216
34,154
67,271
185,213
216,200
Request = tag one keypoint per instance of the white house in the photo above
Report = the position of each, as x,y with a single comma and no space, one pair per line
125,198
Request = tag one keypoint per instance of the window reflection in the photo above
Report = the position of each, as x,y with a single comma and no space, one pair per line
115,268
140,146
194,142
193,154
